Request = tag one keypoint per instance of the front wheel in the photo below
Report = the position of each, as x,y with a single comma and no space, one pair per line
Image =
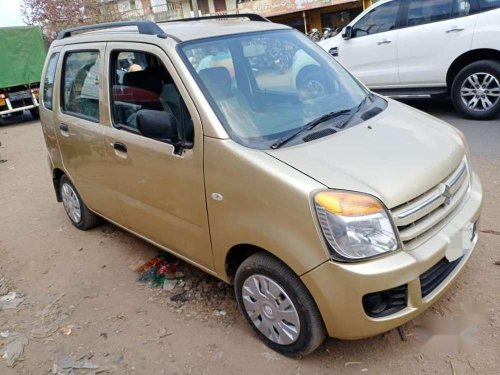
475,91
278,306
311,84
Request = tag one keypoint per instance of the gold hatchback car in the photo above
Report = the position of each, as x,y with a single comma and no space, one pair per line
243,148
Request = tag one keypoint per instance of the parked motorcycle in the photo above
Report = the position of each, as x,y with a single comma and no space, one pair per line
314,35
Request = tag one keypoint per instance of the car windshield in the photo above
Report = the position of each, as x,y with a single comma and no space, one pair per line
264,86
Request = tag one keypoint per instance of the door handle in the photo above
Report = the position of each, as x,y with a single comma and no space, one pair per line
385,41
120,147
64,128
454,29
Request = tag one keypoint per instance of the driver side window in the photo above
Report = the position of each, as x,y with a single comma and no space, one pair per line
380,19
142,88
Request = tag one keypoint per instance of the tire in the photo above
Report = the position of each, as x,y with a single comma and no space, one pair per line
311,84
475,91
72,203
35,113
303,321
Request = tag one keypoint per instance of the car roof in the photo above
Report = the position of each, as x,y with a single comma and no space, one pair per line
181,31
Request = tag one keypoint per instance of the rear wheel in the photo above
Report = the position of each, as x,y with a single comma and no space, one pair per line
278,306
79,214
476,90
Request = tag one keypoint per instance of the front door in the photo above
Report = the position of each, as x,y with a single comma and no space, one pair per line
160,185
371,52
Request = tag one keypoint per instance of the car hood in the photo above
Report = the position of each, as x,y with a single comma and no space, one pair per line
395,156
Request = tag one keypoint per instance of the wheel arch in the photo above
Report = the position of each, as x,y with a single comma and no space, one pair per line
57,173
237,255
468,58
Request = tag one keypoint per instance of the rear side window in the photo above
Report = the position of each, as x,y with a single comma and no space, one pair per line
421,12
48,85
380,19
80,84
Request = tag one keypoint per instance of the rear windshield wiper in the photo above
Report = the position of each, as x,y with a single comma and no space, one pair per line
310,125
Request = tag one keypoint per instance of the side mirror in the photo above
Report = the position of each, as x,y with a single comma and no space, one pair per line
158,125
347,32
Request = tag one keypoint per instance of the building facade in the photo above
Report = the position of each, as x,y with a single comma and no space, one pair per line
306,15
164,10
303,15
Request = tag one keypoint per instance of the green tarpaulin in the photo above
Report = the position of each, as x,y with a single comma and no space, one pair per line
22,54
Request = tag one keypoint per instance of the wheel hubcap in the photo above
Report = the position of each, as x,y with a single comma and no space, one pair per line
480,91
271,310
71,203
315,88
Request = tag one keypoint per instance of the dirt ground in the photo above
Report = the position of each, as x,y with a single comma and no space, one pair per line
82,300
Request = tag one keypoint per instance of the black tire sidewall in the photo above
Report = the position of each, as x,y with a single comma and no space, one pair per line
35,113
483,66
81,223
295,290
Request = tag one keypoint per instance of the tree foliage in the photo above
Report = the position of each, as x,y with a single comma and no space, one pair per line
54,15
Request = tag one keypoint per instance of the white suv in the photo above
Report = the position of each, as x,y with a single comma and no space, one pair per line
405,48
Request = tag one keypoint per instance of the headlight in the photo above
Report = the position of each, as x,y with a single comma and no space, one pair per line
355,225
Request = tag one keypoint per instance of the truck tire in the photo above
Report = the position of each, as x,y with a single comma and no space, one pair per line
475,91
278,306
79,214
35,113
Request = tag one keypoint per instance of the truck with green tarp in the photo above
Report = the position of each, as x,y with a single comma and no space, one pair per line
22,55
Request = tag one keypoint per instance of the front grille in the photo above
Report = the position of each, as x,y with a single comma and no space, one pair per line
435,275
386,302
421,217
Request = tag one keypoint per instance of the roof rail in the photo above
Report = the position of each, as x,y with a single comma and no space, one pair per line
250,16
144,27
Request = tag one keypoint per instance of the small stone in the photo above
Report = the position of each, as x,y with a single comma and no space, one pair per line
169,284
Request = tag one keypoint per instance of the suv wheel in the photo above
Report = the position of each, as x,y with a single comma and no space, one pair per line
79,214
311,84
476,90
278,306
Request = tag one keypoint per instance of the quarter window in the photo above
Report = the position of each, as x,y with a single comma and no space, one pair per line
48,84
380,19
80,88
141,82
421,12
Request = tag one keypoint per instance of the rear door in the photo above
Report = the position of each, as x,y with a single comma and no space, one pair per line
161,189
79,112
371,53
436,33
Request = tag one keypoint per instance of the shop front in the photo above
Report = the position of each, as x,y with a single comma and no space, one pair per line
305,15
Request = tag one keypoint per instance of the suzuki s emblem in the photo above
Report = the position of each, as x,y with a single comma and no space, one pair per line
447,194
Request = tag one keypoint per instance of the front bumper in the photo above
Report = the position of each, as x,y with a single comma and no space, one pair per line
338,288
11,107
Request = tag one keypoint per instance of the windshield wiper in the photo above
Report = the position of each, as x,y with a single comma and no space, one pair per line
354,111
310,125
